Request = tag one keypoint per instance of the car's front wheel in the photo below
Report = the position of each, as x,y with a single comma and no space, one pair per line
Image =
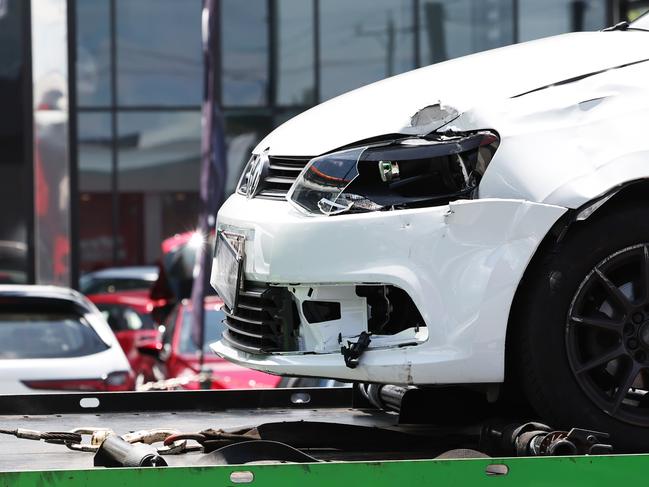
581,329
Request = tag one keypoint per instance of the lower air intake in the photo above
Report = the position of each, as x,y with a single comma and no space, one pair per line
264,321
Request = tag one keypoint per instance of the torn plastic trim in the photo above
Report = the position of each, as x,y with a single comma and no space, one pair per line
579,78
431,118
362,307
587,212
588,209
354,350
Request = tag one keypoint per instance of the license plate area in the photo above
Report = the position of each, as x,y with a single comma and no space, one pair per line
228,271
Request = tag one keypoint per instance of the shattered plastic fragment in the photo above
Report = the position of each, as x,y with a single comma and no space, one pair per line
433,114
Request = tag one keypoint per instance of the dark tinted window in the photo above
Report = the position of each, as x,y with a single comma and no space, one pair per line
103,286
11,80
14,191
364,41
452,29
159,54
158,172
93,53
25,335
552,17
123,318
95,201
213,329
244,52
295,53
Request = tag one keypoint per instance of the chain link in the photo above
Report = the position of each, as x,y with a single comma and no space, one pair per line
74,439
174,383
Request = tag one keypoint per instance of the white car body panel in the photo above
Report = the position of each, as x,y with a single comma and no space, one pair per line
465,83
460,263
95,366
564,136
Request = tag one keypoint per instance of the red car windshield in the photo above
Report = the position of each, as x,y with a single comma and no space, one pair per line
213,329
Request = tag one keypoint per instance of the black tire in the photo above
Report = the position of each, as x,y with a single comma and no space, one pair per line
554,347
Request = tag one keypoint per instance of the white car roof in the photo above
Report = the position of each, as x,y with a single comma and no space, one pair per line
39,291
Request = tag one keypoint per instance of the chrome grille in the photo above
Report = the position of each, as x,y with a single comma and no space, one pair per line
265,320
280,176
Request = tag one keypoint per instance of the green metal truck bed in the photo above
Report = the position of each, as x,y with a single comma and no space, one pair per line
34,463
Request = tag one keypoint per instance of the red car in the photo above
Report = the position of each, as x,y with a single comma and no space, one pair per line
179,357
129,315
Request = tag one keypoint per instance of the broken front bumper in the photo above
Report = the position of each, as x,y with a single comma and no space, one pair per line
460,264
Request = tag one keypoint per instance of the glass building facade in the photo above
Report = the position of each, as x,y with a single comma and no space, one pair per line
139,75
131,174
139,88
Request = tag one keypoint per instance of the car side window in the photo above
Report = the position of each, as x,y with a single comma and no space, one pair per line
122,318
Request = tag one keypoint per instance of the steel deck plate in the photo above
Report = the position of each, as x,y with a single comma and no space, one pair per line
188,411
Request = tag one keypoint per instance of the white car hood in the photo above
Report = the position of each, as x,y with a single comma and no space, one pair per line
386,107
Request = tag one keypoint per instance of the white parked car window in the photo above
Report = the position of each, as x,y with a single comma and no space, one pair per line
29,335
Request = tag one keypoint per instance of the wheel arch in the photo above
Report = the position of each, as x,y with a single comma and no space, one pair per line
633,192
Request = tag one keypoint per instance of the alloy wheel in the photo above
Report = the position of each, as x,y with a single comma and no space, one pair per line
607,335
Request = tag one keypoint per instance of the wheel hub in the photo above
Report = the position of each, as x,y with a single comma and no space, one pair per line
607,337
636,332
643,335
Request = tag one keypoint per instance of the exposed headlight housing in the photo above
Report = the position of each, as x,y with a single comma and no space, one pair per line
411,172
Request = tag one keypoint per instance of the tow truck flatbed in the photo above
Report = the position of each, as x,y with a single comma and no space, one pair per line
26,463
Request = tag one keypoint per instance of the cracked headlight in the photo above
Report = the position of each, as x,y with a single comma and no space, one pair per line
407,173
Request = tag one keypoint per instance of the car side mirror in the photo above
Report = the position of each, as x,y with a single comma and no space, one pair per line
150,348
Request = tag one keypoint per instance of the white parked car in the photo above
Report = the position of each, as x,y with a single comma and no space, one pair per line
54,339
481,221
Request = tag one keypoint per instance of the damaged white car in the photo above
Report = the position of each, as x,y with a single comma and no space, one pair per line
480,220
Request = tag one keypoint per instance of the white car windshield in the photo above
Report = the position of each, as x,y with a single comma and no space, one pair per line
641,23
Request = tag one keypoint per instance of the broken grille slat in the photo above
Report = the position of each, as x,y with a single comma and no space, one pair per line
243,332
277,167
280,180
251,293
250,308
229,337
262,321
282,173
273,195
244,319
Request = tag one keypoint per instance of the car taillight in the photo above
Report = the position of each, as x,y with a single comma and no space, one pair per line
115,381
118,381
